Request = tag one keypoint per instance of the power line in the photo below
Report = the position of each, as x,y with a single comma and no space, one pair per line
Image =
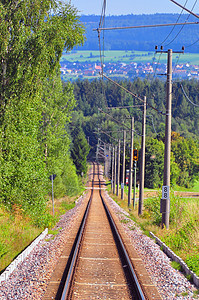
174,25
120,107
101,25
120,123
152,123
193,43
177,62
185,9
182,26
187,96
146,26
157,64
132,94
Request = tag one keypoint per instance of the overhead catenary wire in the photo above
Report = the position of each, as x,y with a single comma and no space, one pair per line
120,123
120,107
101,25
182,26
146,26
195,15
193,43
173,26
157,64
132,94
188,97
152,123
109,135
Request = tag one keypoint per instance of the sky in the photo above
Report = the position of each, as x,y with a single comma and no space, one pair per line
124,7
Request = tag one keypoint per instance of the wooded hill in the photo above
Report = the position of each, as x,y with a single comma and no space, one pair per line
185,123
141,39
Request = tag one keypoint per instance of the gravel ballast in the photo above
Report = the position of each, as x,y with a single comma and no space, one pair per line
30,278
171,283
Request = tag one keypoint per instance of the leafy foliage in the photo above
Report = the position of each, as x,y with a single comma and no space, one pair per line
154,163
80,150
34,107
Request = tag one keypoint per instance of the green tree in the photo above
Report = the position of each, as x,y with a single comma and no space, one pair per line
187,158
154,167
33,35
54,139
80,150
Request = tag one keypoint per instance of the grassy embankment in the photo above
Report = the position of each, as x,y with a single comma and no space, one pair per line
183,234
17,231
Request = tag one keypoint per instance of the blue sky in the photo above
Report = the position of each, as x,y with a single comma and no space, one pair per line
119,7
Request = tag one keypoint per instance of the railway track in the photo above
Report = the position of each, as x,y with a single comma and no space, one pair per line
99,265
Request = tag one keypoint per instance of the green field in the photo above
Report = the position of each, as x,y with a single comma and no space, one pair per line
128,57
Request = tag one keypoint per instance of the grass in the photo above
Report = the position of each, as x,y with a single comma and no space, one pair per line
183,234
195,188
176,265
16,233
17,230
125,57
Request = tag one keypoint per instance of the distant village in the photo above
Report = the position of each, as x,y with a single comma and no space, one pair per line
74,70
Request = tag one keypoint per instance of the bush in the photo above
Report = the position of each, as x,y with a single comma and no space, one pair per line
45,220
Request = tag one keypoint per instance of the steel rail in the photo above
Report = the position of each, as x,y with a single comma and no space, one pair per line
70,273
140,294
119,243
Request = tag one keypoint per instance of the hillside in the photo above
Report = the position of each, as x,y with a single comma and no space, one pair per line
142,39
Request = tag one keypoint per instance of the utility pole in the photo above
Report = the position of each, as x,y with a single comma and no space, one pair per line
109,161
131,163
134,185
105,161
142,163
165,201
123,165
115,173
112,169
118,168
97,152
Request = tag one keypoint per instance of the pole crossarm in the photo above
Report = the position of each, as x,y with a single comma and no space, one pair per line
101,148
132,94
109,136
102,155
120,123
102,141
151,26
185,9
114,119
121,107
166,51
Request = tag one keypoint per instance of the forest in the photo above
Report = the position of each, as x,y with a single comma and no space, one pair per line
115,102
142,39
